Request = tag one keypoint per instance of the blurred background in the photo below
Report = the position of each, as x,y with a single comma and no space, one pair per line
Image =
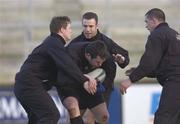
25,23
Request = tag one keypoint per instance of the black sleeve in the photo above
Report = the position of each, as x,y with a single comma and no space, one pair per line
116,49
150,59
109,67
65,63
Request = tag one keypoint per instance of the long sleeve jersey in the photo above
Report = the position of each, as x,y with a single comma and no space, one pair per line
161,58
44,62
77,52
113,48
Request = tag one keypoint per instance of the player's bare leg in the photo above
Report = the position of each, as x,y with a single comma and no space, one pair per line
88,117
101,113
71,104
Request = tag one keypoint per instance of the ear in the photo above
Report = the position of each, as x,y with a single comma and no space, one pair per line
156,22
97,26
62,30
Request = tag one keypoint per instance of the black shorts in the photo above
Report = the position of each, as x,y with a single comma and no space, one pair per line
85,99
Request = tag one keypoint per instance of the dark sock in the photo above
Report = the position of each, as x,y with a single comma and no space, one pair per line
77,120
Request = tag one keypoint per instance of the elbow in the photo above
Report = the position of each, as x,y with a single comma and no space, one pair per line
126,62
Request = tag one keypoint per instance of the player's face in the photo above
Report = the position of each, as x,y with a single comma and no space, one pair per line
67,32
150,24
89,28
96,62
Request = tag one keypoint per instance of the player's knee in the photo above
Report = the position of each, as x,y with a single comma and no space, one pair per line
73,110
104,118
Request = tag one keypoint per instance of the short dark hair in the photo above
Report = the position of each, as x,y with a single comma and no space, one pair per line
156,13
59,22
90,15
97,48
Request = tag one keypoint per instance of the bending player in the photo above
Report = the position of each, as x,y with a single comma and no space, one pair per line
88,56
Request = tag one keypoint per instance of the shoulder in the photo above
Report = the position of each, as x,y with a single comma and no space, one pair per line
157,37
53,43
157,33
77,45
162,29
108,41
105,37
77,39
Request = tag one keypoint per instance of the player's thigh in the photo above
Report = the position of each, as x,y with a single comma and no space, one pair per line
88,114
169,106
70,102
40,103
43,103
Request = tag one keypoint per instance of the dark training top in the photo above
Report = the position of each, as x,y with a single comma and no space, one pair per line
44,62
161,58
77,52
113,48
